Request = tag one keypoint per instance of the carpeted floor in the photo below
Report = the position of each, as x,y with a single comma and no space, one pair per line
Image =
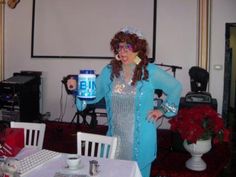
61,136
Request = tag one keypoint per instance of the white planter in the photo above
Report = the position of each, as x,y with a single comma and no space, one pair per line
197,150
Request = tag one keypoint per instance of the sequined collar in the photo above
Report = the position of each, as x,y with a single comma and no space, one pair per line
131,73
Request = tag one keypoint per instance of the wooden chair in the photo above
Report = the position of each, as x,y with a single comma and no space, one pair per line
95,145
33,133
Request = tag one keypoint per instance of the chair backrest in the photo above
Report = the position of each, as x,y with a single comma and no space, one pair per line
95,145
33,133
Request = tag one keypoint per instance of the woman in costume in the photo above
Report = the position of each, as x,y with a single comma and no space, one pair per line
128,84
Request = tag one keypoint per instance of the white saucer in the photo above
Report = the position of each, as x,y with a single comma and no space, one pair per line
79,166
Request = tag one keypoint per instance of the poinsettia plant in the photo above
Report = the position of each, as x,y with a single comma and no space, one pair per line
199,122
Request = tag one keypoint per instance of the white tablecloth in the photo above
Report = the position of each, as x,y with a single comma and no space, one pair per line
107,167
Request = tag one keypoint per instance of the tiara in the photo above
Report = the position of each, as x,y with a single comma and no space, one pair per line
132,30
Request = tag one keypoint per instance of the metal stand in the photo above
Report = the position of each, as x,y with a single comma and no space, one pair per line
87,112
173,67
90,111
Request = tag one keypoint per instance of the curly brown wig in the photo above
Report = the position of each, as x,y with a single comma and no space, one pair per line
138,45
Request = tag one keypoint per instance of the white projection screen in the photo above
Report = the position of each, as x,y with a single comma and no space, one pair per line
84,28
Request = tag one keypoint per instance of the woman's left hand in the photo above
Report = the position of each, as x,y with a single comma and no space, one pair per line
155,115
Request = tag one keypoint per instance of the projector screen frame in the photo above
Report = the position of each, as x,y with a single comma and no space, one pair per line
152,45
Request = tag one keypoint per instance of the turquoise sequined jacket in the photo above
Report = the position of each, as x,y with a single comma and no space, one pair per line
145,140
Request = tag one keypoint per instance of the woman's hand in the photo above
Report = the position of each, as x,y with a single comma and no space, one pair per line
81,104
155,115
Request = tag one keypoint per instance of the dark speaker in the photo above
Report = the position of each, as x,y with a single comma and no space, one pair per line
19,97
183,103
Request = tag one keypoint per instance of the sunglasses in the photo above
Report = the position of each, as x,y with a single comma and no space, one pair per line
125,47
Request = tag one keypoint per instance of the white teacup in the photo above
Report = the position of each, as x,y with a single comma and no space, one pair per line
73,161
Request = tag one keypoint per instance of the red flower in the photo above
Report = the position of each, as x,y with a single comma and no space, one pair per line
199,122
